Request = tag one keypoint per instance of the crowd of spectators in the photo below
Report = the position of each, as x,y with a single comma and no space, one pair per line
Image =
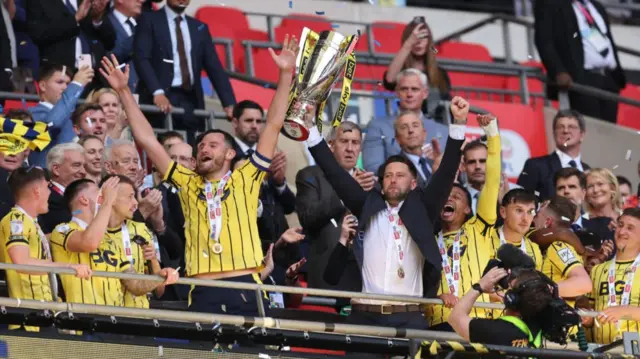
422,216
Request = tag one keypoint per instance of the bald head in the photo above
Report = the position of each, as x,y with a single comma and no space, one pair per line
182,153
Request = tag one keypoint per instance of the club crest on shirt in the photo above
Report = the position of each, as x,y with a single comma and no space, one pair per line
203,197
566,255
463,248
17,227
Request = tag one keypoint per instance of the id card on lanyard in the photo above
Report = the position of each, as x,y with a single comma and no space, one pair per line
214,211
594,35
396,229
628,284
126,242
451,272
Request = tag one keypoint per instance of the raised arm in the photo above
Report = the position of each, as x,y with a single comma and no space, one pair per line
489,194
142,130
396,65
438,189
286,62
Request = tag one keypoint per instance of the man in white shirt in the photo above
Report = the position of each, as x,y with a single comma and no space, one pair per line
568,132
575,44
394,246
65,163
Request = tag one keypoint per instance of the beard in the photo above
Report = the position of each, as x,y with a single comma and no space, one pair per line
398,195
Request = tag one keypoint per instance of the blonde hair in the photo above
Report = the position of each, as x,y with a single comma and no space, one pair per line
94,96
609,177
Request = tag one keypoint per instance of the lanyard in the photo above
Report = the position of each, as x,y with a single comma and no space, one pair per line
587,14
214,206
126,241
626,292
53,281
99,200
523,247
452,275
396,228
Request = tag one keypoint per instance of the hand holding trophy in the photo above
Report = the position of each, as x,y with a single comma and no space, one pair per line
322,59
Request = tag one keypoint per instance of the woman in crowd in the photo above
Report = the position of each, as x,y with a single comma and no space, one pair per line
117,127
417,52
603,194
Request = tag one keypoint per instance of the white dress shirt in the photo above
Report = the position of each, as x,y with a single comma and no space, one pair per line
122,19
592,58
177,74
565,159
380,258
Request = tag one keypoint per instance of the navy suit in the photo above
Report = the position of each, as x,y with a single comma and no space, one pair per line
153,56
537,174
28,55
123,49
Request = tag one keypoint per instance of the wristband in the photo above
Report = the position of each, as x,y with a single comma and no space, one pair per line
477,287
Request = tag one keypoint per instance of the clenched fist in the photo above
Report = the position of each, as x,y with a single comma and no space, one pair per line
459,109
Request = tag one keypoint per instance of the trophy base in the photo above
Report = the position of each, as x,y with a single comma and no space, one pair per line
295,131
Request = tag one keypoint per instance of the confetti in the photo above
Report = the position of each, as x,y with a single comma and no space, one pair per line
565,219
628,156
204,254
22,43
290,4
89,122
537,193
548,234
333,221
377,43
50,124
525,173
565,144
319,12
64,69
434,50
575,34
382,137
335,26
616,166
121,66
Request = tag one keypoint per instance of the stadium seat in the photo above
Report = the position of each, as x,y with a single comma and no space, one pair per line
242,35
222,16
369,72
464,51
17,104
387,36
263,64
628,115
295,26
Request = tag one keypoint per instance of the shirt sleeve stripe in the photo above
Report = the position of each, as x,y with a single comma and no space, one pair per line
569,266
260,161
15,241
169,174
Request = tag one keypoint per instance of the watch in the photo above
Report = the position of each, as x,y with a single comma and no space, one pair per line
477,287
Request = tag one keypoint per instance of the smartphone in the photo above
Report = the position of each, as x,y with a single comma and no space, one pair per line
139,240
419,20
84,60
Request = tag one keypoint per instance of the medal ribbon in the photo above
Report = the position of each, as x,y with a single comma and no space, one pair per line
587,14
626,292
523,247
126,241
396,229
452,275
214,206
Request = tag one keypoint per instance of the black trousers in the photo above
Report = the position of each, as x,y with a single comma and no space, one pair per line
226,301
592,106
187,122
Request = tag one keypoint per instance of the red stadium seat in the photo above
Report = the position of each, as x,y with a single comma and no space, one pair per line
387,36
628,115
17,104
369,72
222,16
264,67
534,86
363,43
295,26
464,51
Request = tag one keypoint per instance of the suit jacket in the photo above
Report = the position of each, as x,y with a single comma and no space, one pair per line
58,212
54,29
421,181
61,129
5,59
28,55
380,141
123,49
317,204
559,42
419,210
153,56
6,197
537,174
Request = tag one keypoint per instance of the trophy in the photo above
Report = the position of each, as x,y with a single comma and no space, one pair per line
321,61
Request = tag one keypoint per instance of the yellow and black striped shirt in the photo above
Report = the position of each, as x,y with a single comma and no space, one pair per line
239,236
137,257
476,241
599,298
18,229
559,258
106,258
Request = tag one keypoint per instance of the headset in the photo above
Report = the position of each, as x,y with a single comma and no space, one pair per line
512,296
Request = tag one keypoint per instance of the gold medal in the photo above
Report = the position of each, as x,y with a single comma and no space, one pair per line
400,273
217,248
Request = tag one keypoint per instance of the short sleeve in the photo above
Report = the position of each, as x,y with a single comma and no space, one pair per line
178,175
14,225
563,256
494,331
61,234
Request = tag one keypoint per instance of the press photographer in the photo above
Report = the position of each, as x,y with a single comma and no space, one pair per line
533,309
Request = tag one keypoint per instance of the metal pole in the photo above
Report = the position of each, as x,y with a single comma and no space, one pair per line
371,45
228,50
168,121
506,38
260,303
270,30
524,88
248,55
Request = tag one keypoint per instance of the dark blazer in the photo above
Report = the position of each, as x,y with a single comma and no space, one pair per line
123,49
317,203
420,209
537,174
559,42
153,48
6,198
5,59
58,212
28,55
421,181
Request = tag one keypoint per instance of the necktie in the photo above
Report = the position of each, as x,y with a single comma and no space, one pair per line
249,152
425,169
182,53
573,164
132,27
84,43
576,227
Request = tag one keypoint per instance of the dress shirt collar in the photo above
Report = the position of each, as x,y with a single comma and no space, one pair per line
565,159
172,15
58,185
46,104
243,146
579,222
122,18
472,191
